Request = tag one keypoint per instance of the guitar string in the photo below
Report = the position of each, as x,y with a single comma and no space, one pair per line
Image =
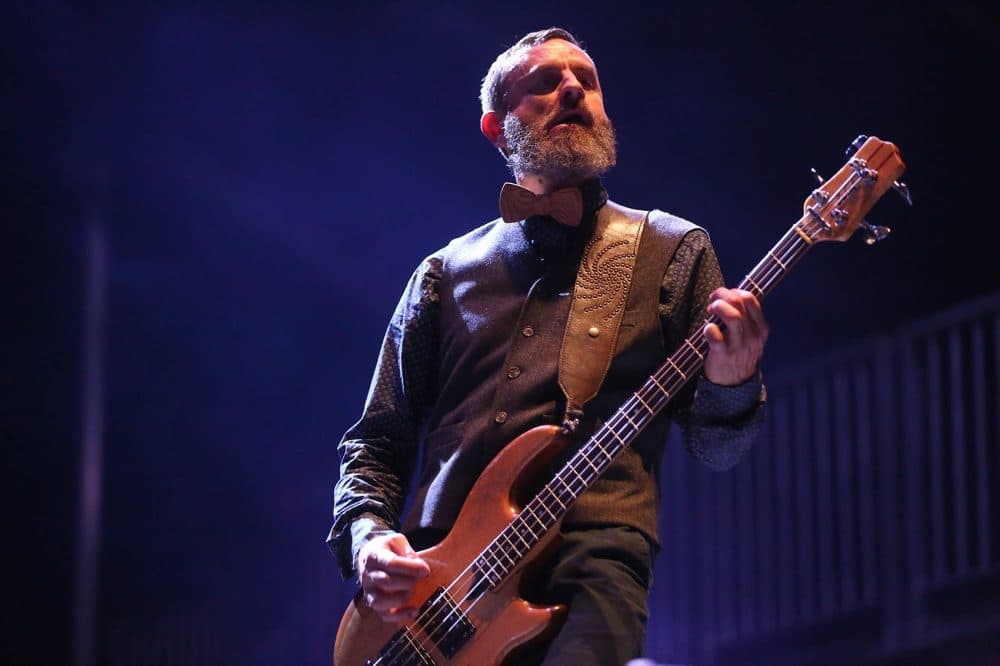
773,271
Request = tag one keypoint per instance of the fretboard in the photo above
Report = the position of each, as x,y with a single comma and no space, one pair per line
620,430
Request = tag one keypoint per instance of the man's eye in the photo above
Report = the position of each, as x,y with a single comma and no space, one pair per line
544,84
587,80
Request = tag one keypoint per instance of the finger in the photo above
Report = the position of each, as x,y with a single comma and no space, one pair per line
414,567
725,310
383,559
397,615
385,602
731,325
400,545
721,293
755,316
714,335
385,582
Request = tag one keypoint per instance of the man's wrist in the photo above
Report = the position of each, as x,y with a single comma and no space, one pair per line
365,528
720,401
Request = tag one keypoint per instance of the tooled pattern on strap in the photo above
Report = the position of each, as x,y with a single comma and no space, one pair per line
605,277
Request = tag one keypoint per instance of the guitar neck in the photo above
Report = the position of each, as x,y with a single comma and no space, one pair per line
832,212
585,466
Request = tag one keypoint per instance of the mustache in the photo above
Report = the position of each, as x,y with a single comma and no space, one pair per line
576,115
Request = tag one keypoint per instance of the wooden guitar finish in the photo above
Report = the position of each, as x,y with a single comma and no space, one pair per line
502,620
469,609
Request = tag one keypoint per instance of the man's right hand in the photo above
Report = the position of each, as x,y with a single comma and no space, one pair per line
388,568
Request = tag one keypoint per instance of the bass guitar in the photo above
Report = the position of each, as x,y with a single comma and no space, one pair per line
470,611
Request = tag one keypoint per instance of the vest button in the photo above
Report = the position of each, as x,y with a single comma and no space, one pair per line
527,331
513,372
500,417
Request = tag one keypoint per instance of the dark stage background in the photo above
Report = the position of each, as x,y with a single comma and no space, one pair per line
265,177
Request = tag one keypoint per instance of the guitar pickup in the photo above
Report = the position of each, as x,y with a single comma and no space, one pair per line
445,623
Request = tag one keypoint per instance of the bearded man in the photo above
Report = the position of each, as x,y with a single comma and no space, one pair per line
471,359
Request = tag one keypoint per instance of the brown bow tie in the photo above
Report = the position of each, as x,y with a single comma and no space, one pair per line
519,203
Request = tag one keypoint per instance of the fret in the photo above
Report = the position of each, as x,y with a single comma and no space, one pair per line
527,546
503,550
534,515
572,468
523,535
611,431
677,368
597,470
552,516
494,561
605,451
556,497
760,292
488,572
628,418
688,342
777,261
659,385
565,484
648,408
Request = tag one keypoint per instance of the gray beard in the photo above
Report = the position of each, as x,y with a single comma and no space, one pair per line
571,156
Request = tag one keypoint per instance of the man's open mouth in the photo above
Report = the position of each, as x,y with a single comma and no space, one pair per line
569,118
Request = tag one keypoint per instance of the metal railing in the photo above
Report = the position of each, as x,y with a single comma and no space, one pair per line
874,490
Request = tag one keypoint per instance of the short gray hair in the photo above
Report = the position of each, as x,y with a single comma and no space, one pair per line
491,94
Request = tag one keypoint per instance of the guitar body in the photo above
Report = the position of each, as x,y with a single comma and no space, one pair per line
503,620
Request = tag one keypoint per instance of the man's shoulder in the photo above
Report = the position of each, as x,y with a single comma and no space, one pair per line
669,224
660,221
483,233
482,243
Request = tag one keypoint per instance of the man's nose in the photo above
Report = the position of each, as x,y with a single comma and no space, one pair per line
571,91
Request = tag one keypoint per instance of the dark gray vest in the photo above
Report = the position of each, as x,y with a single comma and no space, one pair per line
503,314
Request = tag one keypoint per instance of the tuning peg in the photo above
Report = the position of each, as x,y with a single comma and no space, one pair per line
874,233
903,191
856,144
819,178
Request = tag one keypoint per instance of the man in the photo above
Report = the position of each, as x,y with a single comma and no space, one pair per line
471,360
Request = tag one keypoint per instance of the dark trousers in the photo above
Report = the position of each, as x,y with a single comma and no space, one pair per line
603,575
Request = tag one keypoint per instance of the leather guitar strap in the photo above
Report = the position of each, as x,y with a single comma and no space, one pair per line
600,295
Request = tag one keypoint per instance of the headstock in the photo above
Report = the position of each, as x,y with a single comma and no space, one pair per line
835,209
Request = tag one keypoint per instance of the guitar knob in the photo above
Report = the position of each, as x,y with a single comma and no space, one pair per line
874,233
856,144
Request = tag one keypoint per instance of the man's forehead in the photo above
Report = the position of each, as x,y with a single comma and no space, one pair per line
551,52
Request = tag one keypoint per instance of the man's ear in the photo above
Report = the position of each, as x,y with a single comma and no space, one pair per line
492,129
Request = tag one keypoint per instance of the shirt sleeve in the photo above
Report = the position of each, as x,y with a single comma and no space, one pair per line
718,423
378,452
